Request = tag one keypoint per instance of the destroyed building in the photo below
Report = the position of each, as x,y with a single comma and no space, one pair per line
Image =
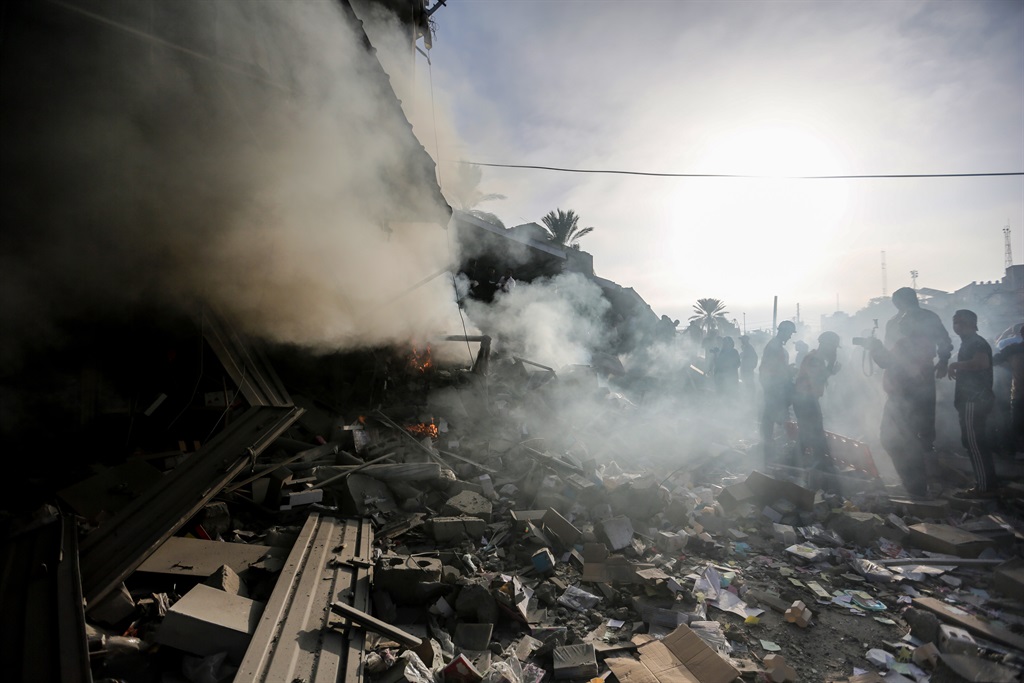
232,458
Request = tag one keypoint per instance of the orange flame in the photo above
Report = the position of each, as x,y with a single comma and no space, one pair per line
420,361
424,429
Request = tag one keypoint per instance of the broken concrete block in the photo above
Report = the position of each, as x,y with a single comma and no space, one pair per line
956,641
798,614
207,621
474,637
778,670
784,533
115,607
670,541
475,604
575,661
861,528
401,575
923,509
562,529
942,538
468,504
447,529
226,579
618,531
293,499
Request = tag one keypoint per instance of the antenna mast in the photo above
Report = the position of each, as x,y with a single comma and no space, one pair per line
885,289
1008,257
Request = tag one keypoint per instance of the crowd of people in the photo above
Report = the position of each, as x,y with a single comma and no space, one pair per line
914,354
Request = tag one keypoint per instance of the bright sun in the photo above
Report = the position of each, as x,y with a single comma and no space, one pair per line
771,219
770,150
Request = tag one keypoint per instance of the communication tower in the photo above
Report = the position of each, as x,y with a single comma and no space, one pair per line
885,289
1008,257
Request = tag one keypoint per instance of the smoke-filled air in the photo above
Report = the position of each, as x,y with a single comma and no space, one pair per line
276,180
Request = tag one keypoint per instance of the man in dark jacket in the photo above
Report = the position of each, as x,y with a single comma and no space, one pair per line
927,327
973,399
817,366
777,381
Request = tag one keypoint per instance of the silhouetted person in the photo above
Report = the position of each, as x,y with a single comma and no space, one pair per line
776,380
808,388
926,325
907,364
748,363
801,351
1012,355
973,399
727,367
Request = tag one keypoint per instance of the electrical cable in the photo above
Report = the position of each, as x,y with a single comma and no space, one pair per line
743,175
448,237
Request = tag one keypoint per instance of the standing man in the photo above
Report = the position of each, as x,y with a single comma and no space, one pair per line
927,327
817,366
907,365
776,380
973,399
748,363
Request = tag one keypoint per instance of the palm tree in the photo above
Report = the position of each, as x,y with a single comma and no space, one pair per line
709,314
564,228
466,194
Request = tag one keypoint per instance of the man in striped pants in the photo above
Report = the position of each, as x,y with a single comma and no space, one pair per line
973,399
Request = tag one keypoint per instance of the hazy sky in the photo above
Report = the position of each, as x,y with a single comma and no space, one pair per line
728,87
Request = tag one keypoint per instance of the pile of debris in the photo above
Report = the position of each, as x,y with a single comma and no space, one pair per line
417,544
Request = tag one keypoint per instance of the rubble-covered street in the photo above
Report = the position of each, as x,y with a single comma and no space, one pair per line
451,534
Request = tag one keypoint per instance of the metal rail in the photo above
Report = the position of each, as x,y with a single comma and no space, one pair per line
294,640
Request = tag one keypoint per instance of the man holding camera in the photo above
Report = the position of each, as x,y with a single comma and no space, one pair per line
913,337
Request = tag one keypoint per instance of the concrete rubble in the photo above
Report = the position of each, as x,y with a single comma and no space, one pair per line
481,553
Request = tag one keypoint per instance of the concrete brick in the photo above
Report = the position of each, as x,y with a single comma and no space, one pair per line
447,529
618,531
798,614
207,621
400,575
468,504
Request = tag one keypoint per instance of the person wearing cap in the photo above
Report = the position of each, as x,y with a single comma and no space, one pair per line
974,399
817,366
776,377
926,326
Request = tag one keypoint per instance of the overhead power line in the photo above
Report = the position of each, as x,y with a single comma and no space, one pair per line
744,175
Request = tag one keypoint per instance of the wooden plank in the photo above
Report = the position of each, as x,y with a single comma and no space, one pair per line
374,624
967,621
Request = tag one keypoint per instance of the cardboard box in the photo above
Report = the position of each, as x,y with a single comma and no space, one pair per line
681,657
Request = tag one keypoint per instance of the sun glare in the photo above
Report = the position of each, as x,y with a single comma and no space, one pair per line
777,150
773,218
